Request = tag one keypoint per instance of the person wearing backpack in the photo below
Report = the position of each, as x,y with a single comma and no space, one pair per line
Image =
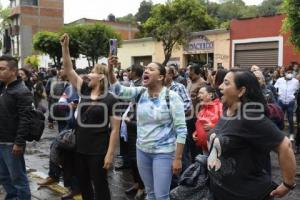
16,103
161,128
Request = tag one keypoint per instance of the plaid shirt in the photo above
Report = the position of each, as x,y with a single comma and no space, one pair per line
183,93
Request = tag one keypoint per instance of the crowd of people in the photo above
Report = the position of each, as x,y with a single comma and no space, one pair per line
164,117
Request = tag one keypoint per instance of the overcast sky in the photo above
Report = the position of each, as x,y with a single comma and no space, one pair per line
100,9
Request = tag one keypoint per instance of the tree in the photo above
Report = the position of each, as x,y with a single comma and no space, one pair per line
231,9
173,22
251,11
270,7
111,18
48,43
292,21
93,40
33,61
130,18
4,21
144,11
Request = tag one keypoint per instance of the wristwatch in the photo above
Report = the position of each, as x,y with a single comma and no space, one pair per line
291,187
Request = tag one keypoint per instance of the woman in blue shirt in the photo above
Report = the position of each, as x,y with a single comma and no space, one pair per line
161,129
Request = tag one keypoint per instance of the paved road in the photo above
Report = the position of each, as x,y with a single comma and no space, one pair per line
37,158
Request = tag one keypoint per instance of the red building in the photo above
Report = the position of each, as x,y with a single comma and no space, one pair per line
260,41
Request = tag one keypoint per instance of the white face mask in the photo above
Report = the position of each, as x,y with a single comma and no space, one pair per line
288,76
125,78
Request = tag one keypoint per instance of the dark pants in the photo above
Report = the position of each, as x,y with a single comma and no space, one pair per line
54,171
92,177
132,136
13,174
124,148
190,143
289,110
69,172
135,173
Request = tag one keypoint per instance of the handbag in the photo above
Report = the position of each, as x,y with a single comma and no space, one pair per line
66,139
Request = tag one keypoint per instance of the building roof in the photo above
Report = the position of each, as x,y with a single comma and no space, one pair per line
146,39
86,20
266,16
210,32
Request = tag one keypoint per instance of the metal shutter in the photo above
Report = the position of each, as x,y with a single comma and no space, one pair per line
263,54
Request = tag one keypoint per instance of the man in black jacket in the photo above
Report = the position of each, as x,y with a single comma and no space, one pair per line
15,102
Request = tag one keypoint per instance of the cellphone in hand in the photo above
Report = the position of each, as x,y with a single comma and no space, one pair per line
113,47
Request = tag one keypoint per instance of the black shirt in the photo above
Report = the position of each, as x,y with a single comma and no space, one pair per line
237,161
93,129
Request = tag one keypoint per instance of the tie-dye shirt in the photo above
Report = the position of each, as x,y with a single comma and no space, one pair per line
158,127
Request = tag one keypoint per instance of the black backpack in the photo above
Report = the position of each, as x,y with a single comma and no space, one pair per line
37,125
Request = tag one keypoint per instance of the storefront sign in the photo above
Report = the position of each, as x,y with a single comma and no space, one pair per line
198,45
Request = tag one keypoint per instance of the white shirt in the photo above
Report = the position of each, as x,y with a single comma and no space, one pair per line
287,89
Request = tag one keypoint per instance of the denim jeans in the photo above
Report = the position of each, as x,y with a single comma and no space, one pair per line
13,174
156,173
289,110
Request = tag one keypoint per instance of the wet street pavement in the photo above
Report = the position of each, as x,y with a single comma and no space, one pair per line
37,159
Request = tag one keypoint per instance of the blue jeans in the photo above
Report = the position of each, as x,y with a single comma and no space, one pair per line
156,173
13,174
289,110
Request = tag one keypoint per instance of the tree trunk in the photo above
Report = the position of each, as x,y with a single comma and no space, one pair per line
168,49
93,60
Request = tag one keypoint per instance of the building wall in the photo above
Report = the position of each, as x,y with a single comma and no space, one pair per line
139,47
144,47
150,47
264,27
221,49
47,16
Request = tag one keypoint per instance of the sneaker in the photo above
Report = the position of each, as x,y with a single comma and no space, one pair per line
291,137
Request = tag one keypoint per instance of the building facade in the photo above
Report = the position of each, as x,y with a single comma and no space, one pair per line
260,41
29,17
210,48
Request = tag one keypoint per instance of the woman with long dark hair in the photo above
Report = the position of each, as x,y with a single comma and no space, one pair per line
219,78
241,142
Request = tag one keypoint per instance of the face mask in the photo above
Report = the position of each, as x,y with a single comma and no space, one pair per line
289,76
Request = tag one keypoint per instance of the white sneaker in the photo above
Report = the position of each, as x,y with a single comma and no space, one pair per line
292,137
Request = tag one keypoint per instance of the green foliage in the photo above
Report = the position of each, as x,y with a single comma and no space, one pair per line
4,21
33,61
48,43
93,40
231,9
90,40
292,21
4,17
111,17
251,11
144,11
130,18
234,9
270,7
172,23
